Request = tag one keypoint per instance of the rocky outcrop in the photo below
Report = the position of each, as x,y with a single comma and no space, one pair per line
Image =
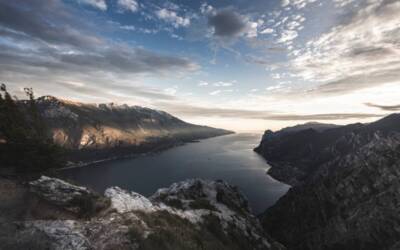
193,214
346,189
63,194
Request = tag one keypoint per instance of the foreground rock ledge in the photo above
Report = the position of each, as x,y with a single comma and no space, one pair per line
194,214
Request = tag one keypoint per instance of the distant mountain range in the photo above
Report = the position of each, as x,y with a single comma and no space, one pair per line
345,186
103,127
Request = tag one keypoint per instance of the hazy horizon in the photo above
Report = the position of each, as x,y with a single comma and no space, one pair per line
239,65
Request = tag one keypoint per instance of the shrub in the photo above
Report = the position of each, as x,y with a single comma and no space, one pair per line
202,204
174,203
26,144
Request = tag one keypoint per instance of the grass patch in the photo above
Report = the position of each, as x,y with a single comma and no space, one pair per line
171,232
176,203
89,206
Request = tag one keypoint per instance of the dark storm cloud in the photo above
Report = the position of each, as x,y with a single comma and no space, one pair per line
384,107
196,111
227,23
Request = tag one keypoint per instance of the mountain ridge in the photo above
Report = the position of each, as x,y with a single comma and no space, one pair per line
99,131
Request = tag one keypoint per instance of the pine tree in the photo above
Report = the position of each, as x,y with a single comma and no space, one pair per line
28,145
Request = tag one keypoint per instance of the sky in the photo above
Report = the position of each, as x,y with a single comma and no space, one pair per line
245,65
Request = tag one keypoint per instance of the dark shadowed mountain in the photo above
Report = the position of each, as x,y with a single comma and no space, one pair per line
346,189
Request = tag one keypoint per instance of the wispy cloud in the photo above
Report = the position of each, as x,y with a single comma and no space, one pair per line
203,83
42,39
223,84
360,53
215,92
99,4
128,5
384,107
196,111
173,18
299,4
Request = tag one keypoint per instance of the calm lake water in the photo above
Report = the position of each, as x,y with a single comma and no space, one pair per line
230,158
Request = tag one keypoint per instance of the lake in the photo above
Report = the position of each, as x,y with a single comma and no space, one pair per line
230,158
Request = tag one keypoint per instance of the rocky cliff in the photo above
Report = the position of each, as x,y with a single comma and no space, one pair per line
346,189
193,214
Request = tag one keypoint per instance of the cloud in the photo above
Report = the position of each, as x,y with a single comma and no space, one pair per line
43,43
172,17
274,88
222,84
252,29
362,52
62,44
217,84
256,60
203,83
267,31
28,18
289,33
118,59
215,92
342,3
384,107
284,27
207,9
226,26
139,29
299,4
227,23
171,91
285,3
110,89
196,111
354,82
276,76
220,91
99,4
128,5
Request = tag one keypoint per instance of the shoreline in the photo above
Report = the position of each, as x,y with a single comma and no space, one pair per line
156,150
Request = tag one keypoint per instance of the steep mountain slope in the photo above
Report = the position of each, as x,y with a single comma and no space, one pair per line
118,128
294,155
193,214
346,192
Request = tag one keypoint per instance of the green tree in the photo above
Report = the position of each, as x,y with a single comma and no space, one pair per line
26,144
